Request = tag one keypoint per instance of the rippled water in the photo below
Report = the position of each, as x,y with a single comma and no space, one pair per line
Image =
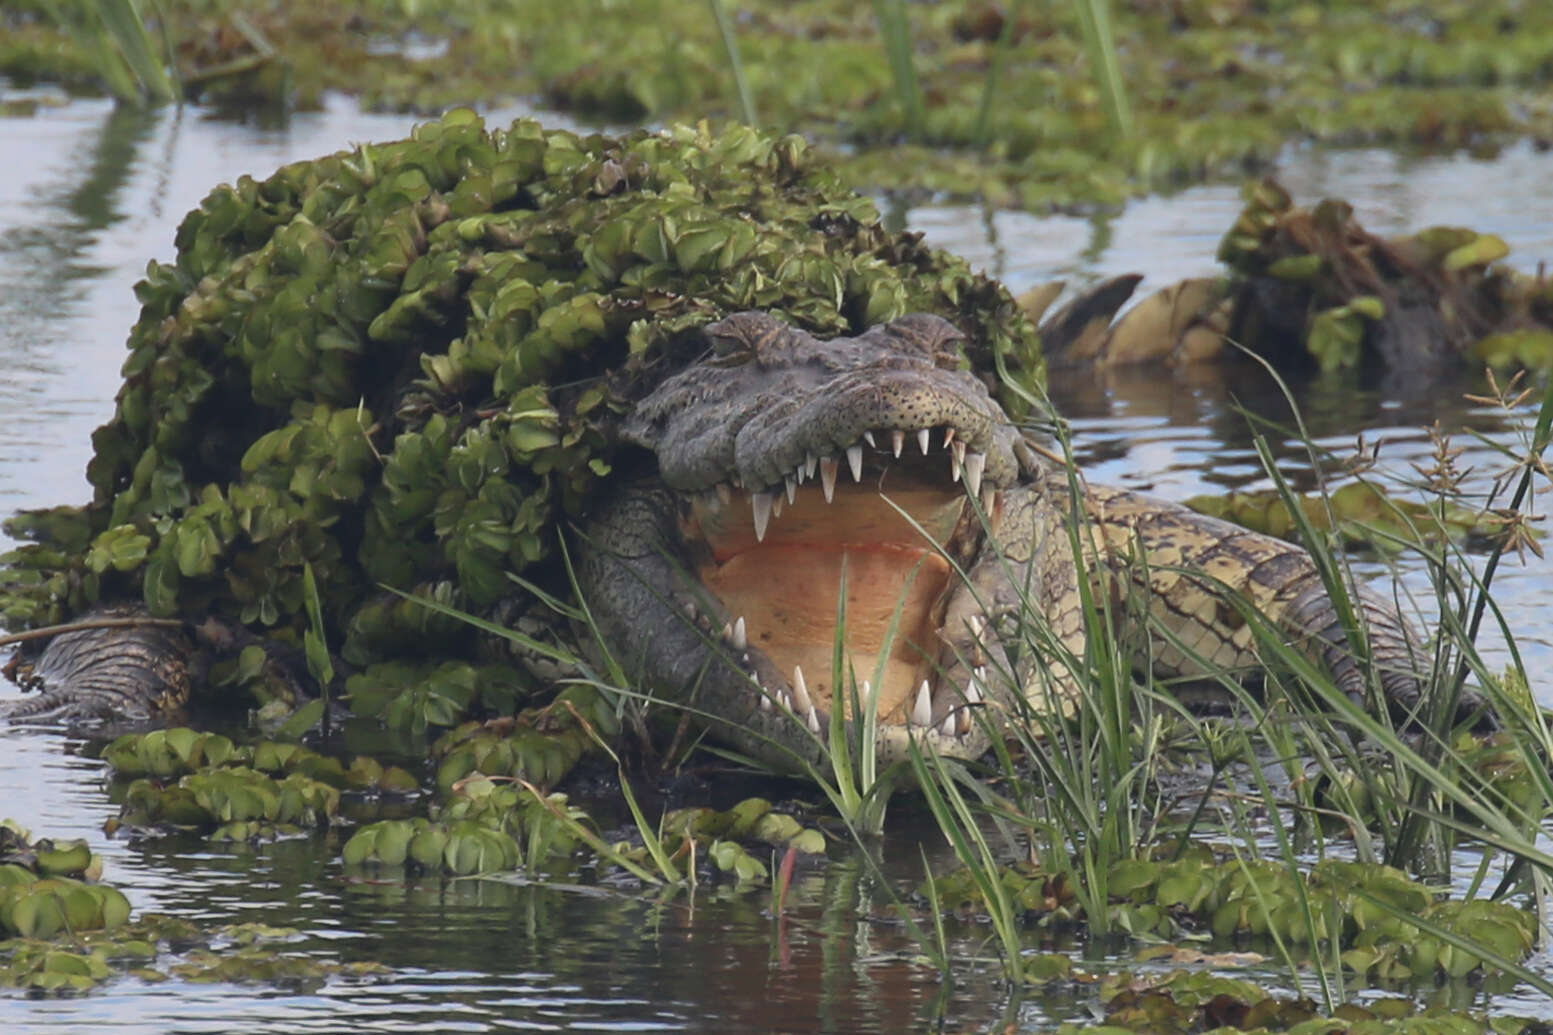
93,192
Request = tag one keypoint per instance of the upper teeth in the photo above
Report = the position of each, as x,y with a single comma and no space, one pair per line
767,503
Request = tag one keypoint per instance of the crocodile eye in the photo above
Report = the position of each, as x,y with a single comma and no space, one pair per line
725,345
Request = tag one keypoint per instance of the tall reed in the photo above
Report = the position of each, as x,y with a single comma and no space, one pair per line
136,68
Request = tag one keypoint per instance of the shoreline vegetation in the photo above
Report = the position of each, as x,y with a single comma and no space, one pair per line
1035,106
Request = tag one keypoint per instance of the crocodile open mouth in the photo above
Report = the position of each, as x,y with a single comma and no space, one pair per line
889,519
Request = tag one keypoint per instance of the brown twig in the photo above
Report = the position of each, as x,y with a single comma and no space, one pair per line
49,631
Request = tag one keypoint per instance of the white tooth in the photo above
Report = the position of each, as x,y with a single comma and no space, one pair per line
975,464
814,721
740,639
801,702
855,459
948,437
765,703
777,499
728,631
973,691
897,441
809,460
989,496
958,449
954,469
724,493
799,473
948,725
792,487
922,434
828,468
868,436
976,624
922,711
761,503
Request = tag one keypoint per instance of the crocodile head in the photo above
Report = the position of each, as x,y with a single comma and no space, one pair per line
806,494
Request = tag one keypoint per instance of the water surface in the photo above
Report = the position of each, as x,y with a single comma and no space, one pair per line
101,191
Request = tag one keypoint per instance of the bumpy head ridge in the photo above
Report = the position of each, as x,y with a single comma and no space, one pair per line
772,406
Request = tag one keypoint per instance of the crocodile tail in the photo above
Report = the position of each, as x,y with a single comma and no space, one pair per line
1396,651
130,673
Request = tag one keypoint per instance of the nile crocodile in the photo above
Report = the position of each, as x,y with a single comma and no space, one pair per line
784,468
777,469
413,364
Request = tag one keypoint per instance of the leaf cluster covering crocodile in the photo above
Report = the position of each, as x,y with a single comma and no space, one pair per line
428,364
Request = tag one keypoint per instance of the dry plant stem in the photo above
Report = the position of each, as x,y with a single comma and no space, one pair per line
50,631
1539,443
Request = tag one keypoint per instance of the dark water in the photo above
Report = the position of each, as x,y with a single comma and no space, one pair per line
92,192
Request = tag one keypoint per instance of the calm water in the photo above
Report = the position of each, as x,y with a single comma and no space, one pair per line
96,192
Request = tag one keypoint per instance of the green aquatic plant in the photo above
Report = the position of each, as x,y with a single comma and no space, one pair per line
137,68
155,946
49,888
1387,925
735,62
419,351
1341,296
1211,87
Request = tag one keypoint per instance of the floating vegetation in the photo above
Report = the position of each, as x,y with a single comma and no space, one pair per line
486,826
1326,287
62,931
181,779
458,849
419,352
180,751
48,888
1365,515
917,96
1188,1001
156,947
1388,924
540,746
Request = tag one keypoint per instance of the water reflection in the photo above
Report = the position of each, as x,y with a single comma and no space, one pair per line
101,192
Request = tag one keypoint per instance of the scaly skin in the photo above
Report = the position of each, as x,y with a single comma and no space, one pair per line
905,483
135,673
711,597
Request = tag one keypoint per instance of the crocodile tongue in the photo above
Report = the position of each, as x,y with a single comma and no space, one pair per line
787,583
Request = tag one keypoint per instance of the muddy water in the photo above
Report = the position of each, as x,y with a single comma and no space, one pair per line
90,193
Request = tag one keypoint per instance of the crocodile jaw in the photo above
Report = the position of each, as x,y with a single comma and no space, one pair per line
736,546
893,536
787,589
